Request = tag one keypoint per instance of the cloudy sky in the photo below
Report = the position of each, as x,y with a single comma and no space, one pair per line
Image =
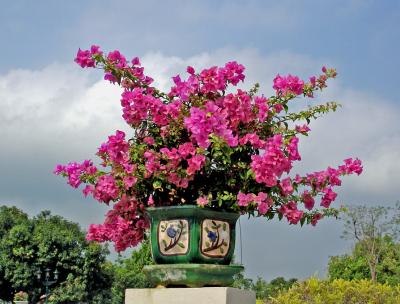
52,111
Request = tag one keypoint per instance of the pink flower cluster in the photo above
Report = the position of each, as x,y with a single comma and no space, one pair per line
85,58
137,106
207,81
324,181
174,157
269,167
262,200
237,108
216,79
291,212
212,120
122,226
288,84
203,143
106,189
116,149
74,171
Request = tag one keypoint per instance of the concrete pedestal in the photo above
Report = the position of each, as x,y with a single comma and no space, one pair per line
204,295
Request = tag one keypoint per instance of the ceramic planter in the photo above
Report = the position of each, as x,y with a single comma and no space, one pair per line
187,239
191,234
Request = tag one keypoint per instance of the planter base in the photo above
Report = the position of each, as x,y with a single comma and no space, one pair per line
191,275
206,295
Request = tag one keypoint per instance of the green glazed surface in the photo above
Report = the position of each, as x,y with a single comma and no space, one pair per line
191,275
194,216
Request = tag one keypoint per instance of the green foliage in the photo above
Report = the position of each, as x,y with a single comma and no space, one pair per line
242,283
262,288
355,266
47,241
314,291
21,296
129,274
373,229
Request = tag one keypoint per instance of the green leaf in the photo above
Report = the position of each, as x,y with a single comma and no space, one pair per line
180,244
157,185
206,229
224,226
164,243
221,249
208,244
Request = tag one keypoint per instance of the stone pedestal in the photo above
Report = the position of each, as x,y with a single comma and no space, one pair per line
204,295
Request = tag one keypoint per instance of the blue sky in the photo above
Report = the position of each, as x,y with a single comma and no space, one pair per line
360,36
52,111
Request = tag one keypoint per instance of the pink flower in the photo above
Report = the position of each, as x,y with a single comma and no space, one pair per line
74,171
149,140
202,201
263,202
288,84
190,70
245,199
328,198
106,189
291,213
212,81
95,50
232,72
303,129
313,81
286,186
253,139
212,120
116,148
150,201
87,190
237,108
129,181
308,200
292,148
59,169
351,166
186,149
122,225
117,58
195,163
84,59
262,106
135,61
278,108
316,217
272,164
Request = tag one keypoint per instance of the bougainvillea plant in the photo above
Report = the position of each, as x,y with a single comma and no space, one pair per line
199,144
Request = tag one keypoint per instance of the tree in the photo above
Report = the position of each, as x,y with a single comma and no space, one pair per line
242,283
48,241
355,266
129,272
263,289
368,226
10,217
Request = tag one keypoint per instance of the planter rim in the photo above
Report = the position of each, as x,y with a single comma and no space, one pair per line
188,210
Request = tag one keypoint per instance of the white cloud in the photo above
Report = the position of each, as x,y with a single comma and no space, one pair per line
60,113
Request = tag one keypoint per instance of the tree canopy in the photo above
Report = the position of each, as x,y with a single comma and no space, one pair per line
48,241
